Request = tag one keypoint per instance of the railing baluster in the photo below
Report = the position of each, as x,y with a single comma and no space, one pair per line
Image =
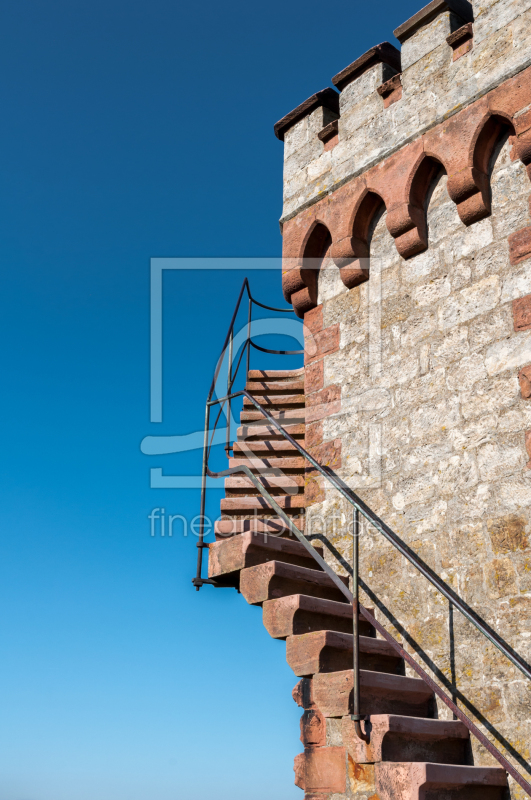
249,339
356,717
229,389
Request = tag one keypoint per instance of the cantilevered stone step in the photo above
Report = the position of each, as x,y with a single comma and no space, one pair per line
266,432
263,449
290,416
227,558
298,614
397,738
283,400
416,781
330,651
247,505
269,581
275,387
275,375
263,465
274,526
291,484
381,693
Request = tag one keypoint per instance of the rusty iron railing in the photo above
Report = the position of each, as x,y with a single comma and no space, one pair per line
359,508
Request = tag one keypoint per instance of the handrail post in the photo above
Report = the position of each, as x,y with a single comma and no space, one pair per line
356,717
248,340
229,389
198,581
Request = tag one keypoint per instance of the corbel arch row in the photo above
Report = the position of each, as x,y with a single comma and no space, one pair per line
463,151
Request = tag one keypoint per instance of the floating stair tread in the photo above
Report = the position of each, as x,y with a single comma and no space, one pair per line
274,375
264,432
276,400
263,464
289,483
275,526
404,780
276,579
286,387
246,505
396,738
299,613
381,693
331,651
261,448
293,416
250,549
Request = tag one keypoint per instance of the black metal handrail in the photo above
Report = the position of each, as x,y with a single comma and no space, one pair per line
360,507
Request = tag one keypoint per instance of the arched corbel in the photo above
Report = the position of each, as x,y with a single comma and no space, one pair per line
299,283
407,222
351,253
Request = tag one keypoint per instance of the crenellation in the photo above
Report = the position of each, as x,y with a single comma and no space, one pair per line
430,37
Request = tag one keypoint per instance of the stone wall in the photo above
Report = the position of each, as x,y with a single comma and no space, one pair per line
417,390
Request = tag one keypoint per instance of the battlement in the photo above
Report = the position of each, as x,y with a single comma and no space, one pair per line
452,54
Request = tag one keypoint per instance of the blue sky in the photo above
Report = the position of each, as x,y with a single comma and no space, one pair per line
133,130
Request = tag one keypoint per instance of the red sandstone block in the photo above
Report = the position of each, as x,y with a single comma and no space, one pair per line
321,344
322,770
314,377
313,319
314,435
522,313
331,651
520,245
327,454
397,738
381,693
284,400
299,613
229,557
524,379
276,579
405,781
313,728
273,526
323,403
275,387
512,95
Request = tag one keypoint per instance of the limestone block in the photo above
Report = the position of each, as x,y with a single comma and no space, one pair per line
470,302
509,353
428,38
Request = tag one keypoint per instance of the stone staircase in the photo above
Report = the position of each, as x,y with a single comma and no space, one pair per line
411,755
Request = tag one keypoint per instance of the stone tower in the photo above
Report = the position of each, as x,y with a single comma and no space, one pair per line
407,252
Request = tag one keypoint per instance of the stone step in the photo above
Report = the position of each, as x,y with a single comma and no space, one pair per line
273,526
275,579
287,484
284,400
247,505
255,418
248,433
262,449
397,738
331,651
381,693
275,375
286,386
265,465
227,558
419,780
299,613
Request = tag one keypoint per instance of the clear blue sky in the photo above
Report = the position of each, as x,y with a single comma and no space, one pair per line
131,130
